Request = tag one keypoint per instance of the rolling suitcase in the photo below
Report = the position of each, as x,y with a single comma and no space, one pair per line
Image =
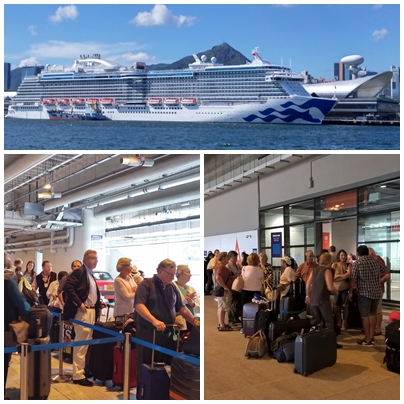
119,360
185,380
279,327
101,362
249,312
263,319
315,351
39,371
154,381
290,307
192,342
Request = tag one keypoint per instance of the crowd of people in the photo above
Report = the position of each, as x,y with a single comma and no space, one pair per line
331,279
156,303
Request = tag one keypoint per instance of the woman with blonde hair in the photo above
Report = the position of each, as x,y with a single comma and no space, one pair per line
253,276
124,287
189,295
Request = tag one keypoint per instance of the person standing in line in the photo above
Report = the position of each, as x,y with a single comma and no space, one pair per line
30,274
304,270
157,301
342,273
236,307
367,272
125,288
43,281
383,279
83,304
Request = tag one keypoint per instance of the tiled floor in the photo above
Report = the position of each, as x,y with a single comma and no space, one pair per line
359,373
64,391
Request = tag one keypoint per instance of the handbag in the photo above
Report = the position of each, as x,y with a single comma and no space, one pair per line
20,329
269,293
238,284
218,291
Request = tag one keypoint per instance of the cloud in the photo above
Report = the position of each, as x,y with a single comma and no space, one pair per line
129,58
32,30
123,53
377,6
67,12
161,15
379,34
32,61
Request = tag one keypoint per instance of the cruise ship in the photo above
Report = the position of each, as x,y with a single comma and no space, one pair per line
207,91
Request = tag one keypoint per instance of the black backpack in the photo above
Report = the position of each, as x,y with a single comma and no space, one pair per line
40,321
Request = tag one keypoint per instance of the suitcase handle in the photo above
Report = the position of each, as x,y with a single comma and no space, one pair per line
154,342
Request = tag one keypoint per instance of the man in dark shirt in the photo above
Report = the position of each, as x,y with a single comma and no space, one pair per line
82,303
157,301
44,279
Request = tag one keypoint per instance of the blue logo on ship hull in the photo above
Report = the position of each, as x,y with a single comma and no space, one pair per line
291,112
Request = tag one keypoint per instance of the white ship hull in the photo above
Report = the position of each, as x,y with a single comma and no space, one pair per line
298,110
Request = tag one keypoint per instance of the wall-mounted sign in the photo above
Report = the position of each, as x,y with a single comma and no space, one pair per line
276,245
96,242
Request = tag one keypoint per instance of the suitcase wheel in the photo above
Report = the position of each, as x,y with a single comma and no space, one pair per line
294,370
305,374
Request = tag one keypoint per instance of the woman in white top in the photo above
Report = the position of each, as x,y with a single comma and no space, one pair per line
125,288
52,293
253,276
188,293
286,277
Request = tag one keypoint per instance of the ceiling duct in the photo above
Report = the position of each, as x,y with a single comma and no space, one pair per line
23,163
162,167
186,192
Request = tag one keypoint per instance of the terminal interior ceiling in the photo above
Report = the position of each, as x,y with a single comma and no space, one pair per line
48,196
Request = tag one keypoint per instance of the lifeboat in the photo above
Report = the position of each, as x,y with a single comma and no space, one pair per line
188,101
92,100
78,101
64,101
107,101
155,101
171,101
48,101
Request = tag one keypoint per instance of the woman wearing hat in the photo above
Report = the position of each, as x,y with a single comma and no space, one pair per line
124,287
286,277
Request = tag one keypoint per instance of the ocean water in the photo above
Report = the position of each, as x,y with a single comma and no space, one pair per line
21,134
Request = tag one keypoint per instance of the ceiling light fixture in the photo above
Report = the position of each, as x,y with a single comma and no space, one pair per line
136,161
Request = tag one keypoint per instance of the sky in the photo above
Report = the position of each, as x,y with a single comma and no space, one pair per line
303,37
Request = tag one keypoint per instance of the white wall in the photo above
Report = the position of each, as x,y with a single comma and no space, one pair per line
343,235
247,241
330,174
233,211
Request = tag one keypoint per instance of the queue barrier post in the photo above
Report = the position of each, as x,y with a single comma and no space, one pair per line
24,371
61,377
126,375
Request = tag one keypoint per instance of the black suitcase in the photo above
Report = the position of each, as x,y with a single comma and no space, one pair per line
290,307
102,355
39,371
276,329
315,351
192,342
393,334
249,312
354,318
185,380
263,319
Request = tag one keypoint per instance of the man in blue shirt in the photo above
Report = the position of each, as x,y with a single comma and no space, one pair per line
157,301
